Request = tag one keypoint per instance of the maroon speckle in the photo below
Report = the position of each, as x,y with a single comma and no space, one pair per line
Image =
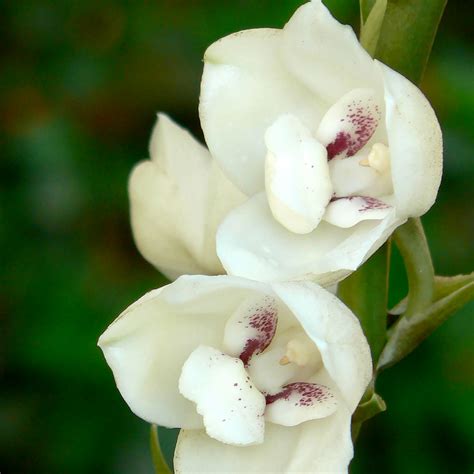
363,122
263,319
340,144
369,203
252,346
310,393
372,203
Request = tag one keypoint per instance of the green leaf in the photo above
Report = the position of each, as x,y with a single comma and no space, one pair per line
408,332
408,31
447,285
371,25
443,286
365,293
411,240
159,462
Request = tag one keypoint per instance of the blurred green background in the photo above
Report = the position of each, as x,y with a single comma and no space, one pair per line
80,85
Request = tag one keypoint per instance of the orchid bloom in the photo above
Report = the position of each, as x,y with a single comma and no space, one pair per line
177,200
260,377
333,149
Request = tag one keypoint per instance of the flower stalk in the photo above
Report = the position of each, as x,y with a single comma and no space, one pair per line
159,462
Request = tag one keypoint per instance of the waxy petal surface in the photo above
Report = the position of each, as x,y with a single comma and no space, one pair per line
250,329
415,142
231,406
299,402
347,212
245,87
337,334
297,178
177,200
251,243
325,55
350,123
317,446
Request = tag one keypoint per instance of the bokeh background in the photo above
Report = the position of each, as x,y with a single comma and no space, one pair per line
79,88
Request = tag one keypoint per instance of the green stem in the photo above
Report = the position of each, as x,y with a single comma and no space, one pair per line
408,333
365,293
408,32
159,462
411,241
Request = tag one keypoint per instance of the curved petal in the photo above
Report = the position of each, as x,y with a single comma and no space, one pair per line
250,329
325,55
337,334
415,143
347,212
297,179
147,345
251,244
350,123
231,406
318,446
299,402
177,200
245,87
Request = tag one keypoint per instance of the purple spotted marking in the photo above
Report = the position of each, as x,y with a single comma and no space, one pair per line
363,125
369,203
340,144
309,394
263,319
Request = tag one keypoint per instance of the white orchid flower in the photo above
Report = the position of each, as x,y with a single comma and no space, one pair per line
333,149
177,200
260,377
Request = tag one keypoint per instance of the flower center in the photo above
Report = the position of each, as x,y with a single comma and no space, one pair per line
305,169
378,158
236,390
299,352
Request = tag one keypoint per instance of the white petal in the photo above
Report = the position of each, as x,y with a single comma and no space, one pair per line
325,55
251,244
350,123
415,143
177,200
297,178
147,345
299,402
347,212
319,446
251,328
231,406
337,334
349,177
245,87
